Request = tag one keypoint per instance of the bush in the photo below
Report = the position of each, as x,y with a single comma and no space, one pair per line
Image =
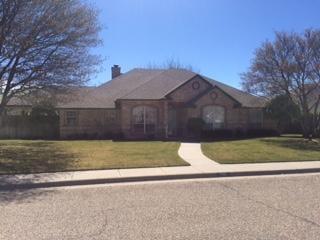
262,133
217,134
237,133
96,136
293,127
118,136
194,126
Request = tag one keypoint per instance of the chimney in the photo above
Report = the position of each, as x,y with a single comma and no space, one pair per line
115,71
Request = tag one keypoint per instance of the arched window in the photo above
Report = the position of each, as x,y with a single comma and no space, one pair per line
213,116
144,119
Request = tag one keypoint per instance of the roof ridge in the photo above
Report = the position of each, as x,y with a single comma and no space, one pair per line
165,71
149,69
173,89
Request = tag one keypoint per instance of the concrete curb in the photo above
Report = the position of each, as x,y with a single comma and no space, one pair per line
17,186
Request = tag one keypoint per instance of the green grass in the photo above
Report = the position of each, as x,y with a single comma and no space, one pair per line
26,156
274,149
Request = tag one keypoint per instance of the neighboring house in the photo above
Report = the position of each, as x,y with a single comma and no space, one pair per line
146,102
315,100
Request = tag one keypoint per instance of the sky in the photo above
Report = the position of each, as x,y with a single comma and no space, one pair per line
216,37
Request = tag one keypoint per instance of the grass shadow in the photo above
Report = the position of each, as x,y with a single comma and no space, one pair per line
293,143
33,157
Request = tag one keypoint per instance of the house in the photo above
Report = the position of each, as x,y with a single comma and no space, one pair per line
158,103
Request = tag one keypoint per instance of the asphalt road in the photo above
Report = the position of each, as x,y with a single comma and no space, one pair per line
258,208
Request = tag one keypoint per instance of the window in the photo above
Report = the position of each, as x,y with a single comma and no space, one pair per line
144,119
71,118
213,116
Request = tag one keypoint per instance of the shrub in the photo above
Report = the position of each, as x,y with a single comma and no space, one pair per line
217,134
239,133
262,133
118,136
194,126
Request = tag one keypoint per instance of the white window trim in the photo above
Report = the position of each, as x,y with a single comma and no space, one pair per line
144,117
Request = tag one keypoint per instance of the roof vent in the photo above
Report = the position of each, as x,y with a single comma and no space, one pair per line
115,71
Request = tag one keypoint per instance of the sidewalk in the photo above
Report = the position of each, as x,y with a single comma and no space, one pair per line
200,167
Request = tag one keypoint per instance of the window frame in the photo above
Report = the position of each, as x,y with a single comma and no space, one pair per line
145,127
75,118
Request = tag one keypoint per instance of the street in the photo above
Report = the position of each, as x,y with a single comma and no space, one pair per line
263,208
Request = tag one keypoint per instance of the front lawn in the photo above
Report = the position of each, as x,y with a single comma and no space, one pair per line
26,156
274,149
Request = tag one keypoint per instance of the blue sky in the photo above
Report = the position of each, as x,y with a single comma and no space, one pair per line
216,37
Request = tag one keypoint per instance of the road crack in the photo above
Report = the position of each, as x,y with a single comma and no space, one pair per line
247,197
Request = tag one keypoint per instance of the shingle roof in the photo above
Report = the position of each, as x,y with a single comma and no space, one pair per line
105,95
145,84
160,85
246,99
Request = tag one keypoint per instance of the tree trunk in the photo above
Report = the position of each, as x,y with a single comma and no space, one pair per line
317,125
308,126
1,117
2,109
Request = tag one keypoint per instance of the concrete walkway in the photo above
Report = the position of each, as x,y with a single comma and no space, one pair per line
200,166
191,153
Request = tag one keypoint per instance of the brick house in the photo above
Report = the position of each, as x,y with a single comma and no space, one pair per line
147,102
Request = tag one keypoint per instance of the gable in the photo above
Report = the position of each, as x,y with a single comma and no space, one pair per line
190,89
215,96
246,99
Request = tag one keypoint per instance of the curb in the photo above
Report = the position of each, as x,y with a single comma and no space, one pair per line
14,186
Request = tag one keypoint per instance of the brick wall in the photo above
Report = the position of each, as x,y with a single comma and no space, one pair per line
90,123
189,90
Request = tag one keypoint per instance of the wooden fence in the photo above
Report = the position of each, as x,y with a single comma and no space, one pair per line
28,127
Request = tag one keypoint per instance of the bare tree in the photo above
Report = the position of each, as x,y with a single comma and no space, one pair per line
289,65
45,44
171,63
